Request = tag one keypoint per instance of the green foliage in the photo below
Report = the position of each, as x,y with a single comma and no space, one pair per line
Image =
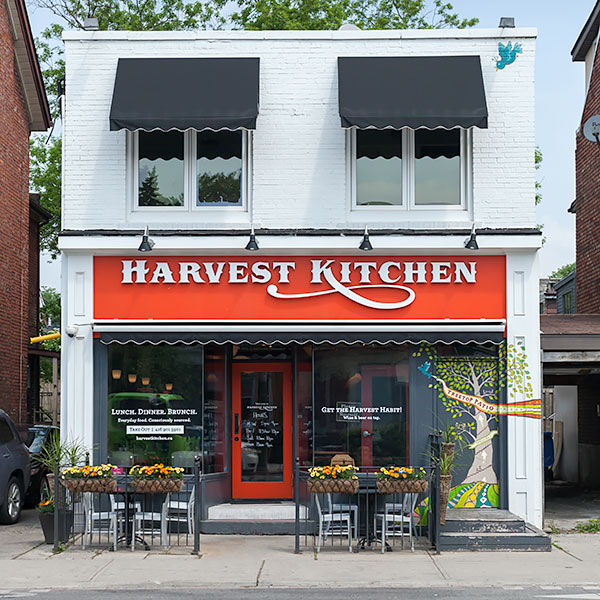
538,185
45,178
326,14
563,271
49,323
63,453
592,526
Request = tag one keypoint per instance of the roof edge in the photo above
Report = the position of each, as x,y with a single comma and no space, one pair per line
587,35
39,108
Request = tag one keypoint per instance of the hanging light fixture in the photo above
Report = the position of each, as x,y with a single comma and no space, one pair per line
366,243
132,377
471,241
116,373
147,244
145,380
168,387
252,245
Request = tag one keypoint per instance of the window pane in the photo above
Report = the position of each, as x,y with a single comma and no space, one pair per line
361,404
378,167
219,168
154,404
437,167
160,168
214,409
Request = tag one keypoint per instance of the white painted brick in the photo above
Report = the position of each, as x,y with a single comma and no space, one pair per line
299,164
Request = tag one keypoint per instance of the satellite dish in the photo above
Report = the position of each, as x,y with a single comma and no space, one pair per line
591,129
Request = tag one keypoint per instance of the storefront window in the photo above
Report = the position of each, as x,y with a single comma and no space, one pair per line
361,405
219,168
304,421
214,455
160,169
154,404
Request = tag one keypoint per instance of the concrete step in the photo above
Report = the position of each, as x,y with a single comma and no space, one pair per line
245,527
261,511
485,520
532,539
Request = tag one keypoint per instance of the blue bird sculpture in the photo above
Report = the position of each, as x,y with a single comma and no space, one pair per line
508,54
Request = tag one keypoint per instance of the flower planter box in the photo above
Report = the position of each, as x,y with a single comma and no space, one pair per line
104,485
333,486
156,486
402,486
65,524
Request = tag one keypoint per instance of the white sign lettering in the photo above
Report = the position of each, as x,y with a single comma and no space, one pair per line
337,275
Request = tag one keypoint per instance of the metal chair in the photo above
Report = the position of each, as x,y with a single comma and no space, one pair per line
398,516
93,519
180,511
331,522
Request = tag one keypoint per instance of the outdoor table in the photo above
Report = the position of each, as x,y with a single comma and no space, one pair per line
368,490
124,489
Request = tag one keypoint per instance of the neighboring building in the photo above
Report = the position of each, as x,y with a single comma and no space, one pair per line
547,296
566,295
23,109
571,342
308,346
587,166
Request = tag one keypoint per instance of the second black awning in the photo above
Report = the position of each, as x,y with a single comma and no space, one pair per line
418,91
185,93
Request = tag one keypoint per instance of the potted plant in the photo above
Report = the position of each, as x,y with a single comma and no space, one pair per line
98,479
446,463
335,479
59,453
45,511
156,479
397,480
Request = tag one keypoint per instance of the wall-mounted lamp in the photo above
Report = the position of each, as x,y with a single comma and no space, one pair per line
116,373
506,22
168,387
471,241
132,377
252,244
147,244
366,243
145,380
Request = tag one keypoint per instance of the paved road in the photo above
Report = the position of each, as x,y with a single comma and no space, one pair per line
478,593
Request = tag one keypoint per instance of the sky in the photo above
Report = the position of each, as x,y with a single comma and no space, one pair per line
559,103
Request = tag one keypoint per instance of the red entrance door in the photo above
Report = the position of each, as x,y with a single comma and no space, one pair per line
262,430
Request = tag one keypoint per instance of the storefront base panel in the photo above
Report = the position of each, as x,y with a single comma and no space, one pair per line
243,527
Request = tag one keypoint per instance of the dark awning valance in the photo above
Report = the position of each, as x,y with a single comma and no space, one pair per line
420,91
301,337
185,93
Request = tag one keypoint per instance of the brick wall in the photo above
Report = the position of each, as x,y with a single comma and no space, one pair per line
587,170
14,226
299,169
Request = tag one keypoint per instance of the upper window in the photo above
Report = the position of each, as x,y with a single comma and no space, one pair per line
189,171
409,169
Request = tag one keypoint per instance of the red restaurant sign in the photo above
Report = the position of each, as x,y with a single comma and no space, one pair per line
299,288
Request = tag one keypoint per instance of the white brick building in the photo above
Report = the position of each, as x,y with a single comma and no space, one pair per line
308,187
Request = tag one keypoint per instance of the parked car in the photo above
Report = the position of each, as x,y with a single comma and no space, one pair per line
14,471
38,437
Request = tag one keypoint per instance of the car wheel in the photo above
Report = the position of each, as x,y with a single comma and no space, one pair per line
13,502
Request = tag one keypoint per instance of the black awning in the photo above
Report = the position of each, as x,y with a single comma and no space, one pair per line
185,93
282,337
420,91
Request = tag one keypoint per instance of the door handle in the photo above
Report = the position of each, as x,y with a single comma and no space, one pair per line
236,426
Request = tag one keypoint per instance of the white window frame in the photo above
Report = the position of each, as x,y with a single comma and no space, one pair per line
190,181
408,178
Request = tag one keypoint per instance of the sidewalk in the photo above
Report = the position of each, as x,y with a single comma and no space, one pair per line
269,561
